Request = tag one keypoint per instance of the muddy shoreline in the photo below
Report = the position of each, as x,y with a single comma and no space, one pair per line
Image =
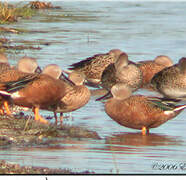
24,132
20,130
11,168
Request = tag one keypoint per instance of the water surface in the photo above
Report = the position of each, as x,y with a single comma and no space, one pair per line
81,29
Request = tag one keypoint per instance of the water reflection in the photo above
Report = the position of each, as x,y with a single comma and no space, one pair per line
59,144
136,141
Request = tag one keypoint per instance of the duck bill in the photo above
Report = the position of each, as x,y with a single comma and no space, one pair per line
64,77
106,96
91,84
38,70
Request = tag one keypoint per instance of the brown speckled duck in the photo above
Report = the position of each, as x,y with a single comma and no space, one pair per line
93,67
138,111
77,95
150,68
4,65
122,71
171,81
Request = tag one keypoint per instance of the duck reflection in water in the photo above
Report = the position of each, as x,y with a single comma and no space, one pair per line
136,141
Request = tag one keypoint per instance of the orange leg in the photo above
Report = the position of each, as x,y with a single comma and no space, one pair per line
38,117
5,103
144,130
36,111
2,110
43,120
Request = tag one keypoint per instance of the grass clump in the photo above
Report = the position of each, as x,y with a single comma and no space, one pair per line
25,11
10,13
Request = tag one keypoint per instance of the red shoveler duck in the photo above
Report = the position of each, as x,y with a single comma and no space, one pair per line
138,111
39,92
26,67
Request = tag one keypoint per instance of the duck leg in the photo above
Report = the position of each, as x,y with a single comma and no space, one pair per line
5,103
2,111
144,130
55,116
61,118
38,117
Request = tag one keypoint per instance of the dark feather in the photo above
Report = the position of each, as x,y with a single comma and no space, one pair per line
82,63
66,79
163,104
21,83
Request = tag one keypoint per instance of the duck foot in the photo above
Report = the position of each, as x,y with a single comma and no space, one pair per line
144,131
38,117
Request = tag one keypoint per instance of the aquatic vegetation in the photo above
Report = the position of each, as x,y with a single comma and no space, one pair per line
21,47
11,13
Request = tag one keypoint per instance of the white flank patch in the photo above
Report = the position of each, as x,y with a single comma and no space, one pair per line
181,107
5,93
168,112
15,95
176,109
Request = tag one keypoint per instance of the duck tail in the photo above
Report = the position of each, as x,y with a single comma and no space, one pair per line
180,107
13,86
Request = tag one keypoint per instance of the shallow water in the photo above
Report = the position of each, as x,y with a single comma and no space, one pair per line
144,30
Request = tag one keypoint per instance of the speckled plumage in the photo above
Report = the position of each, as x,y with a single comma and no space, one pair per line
27,67
93,67
123,72
4,65
74,99
150,68
171,81
12,75
76,96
